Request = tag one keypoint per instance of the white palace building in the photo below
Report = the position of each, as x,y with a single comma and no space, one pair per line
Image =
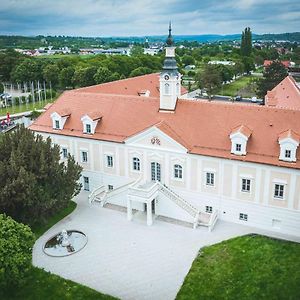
146,148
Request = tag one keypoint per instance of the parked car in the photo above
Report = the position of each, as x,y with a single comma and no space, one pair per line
254,99
238,98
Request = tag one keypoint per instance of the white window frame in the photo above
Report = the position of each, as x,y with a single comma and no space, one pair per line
57,124
288,144
246,185
178,172
208,209
136,164
243,217
279,184
84,183
82,158
238,147
109,161
88,128
210,178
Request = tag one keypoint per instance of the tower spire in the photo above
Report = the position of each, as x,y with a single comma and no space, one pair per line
169,41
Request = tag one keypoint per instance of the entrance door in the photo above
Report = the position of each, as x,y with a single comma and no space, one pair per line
86,183
155,171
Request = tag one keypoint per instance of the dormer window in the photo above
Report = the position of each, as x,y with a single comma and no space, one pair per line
239,138
90,121
57,124
59,118
289,142
238,147
88,128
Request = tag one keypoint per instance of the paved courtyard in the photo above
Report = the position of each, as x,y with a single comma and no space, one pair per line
130,260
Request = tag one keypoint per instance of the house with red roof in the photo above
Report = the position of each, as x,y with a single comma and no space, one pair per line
144,147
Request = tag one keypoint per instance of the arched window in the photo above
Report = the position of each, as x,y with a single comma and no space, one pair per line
178,171
167,89
136,164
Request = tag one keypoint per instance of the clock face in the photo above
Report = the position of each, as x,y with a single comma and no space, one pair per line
167,77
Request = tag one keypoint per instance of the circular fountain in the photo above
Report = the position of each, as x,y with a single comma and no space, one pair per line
65,243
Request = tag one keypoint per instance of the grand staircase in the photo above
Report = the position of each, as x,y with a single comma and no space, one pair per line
150,191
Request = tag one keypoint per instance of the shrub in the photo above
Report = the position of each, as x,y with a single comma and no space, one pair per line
16,241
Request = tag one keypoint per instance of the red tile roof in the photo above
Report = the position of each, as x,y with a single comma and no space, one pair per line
286,63
289,134
203,127
242,129
130,86
285,95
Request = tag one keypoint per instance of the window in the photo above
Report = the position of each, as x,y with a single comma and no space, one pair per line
243,217
246,184
110,187
288,153
109,161
210,179
238,147
178,88
278,191
86,183
84,156
57,125
136,164
167,89
208,209
88,128
64,152
178,171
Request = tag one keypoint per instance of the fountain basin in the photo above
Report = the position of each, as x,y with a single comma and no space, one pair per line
64,243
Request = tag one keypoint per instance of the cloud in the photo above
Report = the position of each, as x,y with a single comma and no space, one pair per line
146,17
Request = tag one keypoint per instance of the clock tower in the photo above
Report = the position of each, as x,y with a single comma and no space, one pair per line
170,78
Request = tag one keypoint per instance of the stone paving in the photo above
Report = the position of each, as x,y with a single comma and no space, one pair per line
130,260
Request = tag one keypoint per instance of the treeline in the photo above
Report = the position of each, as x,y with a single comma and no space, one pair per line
74,71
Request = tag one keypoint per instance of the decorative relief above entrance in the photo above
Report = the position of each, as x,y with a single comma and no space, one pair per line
155,140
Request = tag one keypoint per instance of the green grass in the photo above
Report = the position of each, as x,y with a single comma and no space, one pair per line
242,86
248,267
42,285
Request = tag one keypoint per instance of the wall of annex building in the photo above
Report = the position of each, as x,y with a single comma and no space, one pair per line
225,195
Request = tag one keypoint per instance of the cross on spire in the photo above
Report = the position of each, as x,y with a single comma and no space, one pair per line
169,41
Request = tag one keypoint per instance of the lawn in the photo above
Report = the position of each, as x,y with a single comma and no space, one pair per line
42,285
248,267
23,107
243,86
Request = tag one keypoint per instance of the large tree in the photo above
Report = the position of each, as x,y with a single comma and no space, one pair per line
273,74
84,76
16,241
65,77
51,74
246,42
28,70
34,183
209,78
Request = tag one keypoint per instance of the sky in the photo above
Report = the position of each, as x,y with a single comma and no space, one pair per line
147,17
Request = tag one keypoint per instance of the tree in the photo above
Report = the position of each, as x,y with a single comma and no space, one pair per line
238,68
188,60
34,183
102,75
1,88
272,76
140,71
246,42
9,59
16,241
65,77
51,74
84,76
27,70
248,64
209,78
136,50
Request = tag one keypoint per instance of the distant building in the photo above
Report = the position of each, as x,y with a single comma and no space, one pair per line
222,62
285,63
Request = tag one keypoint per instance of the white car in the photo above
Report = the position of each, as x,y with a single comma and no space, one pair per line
253,99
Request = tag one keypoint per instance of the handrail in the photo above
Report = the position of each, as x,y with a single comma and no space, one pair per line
93,194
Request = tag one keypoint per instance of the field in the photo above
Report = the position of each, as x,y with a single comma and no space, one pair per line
248,267
243,86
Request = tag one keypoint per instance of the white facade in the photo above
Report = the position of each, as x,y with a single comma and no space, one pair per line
271,202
